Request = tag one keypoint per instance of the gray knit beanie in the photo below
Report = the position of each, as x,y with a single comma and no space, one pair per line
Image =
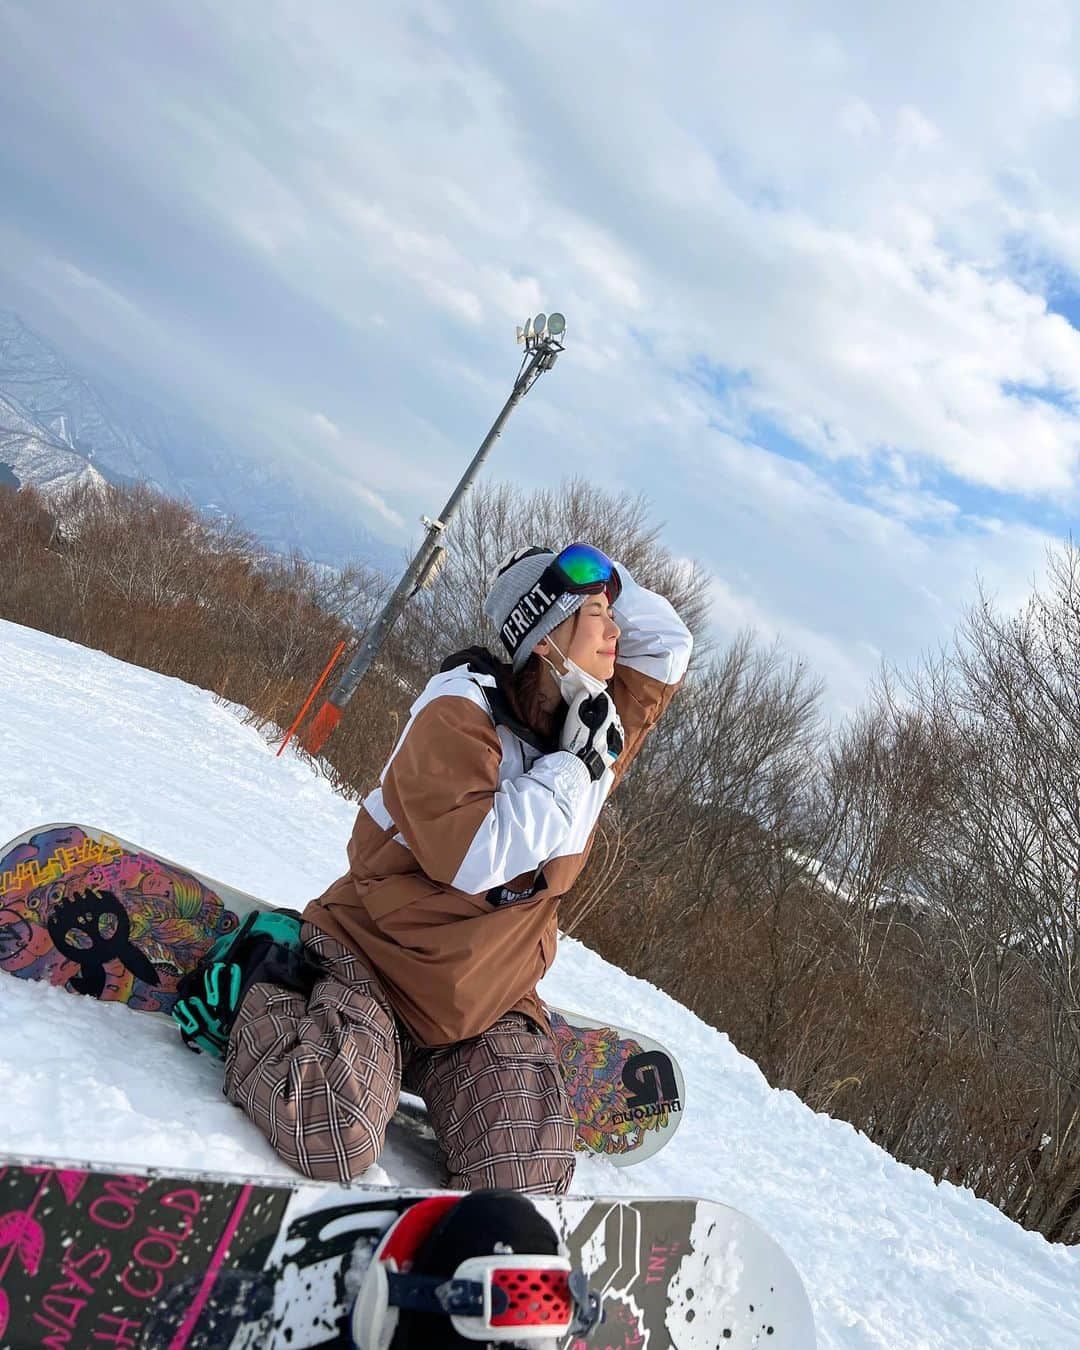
517,607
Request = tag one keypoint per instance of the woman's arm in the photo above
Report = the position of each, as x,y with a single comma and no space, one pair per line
654,652
441,790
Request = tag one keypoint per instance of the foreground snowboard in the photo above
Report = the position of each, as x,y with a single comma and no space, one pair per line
145,1260
92,913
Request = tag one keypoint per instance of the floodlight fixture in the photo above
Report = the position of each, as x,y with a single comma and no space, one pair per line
542,331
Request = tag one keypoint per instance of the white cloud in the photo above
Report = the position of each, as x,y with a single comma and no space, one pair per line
1050,89
325,426
912,505
83,281
914,131
845,668
858,120
378,504
847,585
810,218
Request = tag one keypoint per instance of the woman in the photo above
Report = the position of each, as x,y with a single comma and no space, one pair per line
419,967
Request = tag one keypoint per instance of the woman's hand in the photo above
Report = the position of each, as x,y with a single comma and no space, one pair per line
593,732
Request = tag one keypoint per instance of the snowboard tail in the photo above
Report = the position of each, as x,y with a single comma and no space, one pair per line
148,1259
89,912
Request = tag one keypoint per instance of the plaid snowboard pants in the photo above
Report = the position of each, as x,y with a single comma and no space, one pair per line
320,1077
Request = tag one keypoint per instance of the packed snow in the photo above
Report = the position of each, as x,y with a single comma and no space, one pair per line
889,1258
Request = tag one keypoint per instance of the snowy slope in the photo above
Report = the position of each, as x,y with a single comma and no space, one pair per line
889,1258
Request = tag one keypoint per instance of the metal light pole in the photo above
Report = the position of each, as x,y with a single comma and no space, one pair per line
542,339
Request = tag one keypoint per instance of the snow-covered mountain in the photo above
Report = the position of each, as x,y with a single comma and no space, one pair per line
32,453
127,437
67,404
889,1258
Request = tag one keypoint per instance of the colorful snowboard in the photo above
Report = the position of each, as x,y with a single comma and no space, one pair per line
90,912
145,1260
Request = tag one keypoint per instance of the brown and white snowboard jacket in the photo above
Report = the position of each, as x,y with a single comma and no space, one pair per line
458,858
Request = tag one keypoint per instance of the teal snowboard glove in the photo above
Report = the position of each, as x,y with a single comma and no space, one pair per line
205,1017
265,949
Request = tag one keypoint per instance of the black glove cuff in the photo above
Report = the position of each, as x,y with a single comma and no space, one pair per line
594,762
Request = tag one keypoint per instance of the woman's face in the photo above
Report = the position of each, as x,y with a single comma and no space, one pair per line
591,642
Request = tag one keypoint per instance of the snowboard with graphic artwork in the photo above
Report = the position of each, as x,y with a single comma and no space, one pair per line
145,1259
87,911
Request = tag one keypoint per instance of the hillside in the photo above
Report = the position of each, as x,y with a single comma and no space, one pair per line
889,1259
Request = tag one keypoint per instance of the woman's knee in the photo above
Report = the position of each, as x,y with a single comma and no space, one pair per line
340,1154
499,1108
321,1131
320,1081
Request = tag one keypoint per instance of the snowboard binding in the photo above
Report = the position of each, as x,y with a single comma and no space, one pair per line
418,1293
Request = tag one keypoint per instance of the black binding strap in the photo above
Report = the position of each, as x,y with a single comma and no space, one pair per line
465,1298
435,1294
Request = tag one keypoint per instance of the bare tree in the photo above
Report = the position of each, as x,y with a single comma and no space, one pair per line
1007,860
496,518
883,789
886,917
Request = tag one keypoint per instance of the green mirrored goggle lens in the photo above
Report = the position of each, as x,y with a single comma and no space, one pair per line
585,565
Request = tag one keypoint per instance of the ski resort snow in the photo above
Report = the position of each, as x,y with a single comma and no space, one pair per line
889,1258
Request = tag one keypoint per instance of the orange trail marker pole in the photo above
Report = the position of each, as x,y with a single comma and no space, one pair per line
311,698
326,719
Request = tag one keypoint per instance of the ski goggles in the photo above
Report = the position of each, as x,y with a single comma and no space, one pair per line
582,569
579,569
503,1299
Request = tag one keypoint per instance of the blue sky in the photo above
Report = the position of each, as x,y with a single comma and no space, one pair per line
821,267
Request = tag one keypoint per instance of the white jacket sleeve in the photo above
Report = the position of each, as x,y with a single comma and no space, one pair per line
654,652
530,819
654,641
441,791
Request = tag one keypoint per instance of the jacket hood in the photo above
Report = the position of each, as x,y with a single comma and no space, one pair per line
479,659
